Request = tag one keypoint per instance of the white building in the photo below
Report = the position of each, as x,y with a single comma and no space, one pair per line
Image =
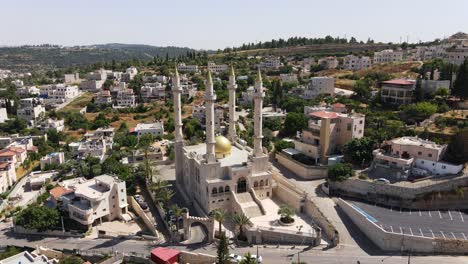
389,55
52,158
103,97
31,110
318,86
155,129
270,62
247,96
217,68
129,74
27,91
49,123
356,63
153,91
329,63
182,67
126,98
3,115
18,83
458,55
71,78
59,93
288,78
29,258
7,175
103,198
92,85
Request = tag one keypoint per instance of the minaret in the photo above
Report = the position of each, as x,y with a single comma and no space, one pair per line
210,98
177,91
258,124
232,86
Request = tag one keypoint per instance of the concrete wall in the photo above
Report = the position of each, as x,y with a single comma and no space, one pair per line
402,194
304,171
151,225
22,230
196,258
277,235
397,242
325,225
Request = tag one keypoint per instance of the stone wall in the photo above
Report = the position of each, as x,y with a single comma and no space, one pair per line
403,194
151,225
21,230
306,172
398,242
326,226
261,235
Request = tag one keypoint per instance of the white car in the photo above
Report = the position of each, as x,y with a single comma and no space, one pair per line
258,258
236,258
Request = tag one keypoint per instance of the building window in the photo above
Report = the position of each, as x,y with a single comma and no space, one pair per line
419,153
214,190
349,126
226,189
422,161
429,155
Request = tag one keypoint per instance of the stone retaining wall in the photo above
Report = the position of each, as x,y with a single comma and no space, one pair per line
306,172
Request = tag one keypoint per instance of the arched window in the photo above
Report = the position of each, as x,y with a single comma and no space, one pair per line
220,189
255,184
262,183
226,189
266,182
214,191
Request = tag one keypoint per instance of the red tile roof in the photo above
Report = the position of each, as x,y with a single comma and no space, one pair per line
164,255
17,149
59,191
7,153
4,165
324,114
399,82
338,105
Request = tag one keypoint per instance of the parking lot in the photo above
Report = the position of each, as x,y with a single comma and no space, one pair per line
432,224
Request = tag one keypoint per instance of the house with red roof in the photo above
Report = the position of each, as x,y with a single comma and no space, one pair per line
398,91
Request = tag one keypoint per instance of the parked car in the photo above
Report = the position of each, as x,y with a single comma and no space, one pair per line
143,205
258,258
382,180
236,258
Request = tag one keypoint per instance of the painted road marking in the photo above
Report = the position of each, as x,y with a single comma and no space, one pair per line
440,214
463,220
391,228
454,237
411,231
401,230
450,215
442,234
366,215
421,232
432,233
464,235
430,214
420,213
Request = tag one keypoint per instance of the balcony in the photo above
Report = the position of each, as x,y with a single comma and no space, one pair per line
392,158
80,208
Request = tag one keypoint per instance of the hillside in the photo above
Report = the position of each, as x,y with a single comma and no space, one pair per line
47,57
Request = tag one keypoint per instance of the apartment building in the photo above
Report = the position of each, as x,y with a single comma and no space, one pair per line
199,112
217,68
329,63
431,86
153,91
59,93
7,175
328,131
50,123
182,67
126,98
318,86
155,129
288,78
398,91
129,74
458,55
27,91
155,78
389,55
71,78
103,198
356,63
52,158
91,85
103,97
247,96
414,156
31,110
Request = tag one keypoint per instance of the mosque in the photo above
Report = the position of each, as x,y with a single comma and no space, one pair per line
221,173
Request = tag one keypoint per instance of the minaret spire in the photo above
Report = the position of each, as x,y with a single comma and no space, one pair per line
258,96
210,98
177,91
232,86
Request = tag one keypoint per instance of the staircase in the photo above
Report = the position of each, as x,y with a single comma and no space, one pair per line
248,204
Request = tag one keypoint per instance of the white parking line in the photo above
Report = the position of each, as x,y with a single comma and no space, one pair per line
420,213
463,220
391,228
432,233
442,234
440,214
410,211
454,237
464,235
450,215
430,214
411,231
421,232
391,208
401,230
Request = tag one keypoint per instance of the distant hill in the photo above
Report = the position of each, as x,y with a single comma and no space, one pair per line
50,56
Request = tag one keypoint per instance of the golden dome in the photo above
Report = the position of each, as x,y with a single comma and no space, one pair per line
222,146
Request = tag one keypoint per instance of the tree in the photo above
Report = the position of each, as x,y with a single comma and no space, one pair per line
457,151
294,122
419,111
241,220
286,213
460,87
71,260
38,218
362,89
248,259
358,151
282,144
219,215
223,250
340,172
164,196
273,123
177,213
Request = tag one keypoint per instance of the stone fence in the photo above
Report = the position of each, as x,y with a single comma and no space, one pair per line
21,230
149,223
396,242
261,235
306,172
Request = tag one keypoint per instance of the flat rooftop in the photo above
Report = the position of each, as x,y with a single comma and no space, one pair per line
237,157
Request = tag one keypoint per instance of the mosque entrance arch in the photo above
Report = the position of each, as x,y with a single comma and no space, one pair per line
241,185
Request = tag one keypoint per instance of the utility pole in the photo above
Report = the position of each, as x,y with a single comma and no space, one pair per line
257,255
298,257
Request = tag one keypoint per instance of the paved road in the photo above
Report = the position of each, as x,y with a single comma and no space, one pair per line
441,224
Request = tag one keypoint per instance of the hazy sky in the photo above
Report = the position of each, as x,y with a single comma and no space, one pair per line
207,24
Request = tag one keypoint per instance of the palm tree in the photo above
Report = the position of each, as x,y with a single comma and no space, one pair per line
219,215
286,213
164,196
158,185
248,259
177,213
241,220
223,250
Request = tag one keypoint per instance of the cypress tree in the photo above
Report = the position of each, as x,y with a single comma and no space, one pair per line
460,87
